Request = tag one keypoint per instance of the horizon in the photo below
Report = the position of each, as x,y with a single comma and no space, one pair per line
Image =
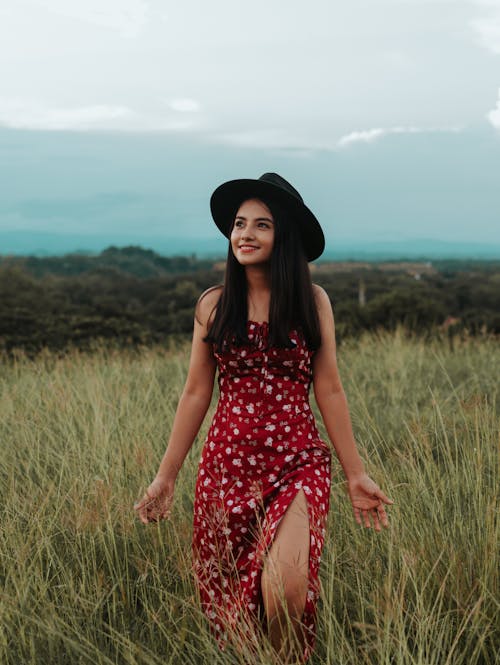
208,248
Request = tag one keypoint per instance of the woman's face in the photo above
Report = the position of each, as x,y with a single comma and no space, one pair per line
252,235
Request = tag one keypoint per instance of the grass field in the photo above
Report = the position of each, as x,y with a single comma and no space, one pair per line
85,582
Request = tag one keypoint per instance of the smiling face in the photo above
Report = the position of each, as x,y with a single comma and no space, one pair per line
252,235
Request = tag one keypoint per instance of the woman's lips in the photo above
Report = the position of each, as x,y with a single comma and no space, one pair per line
248,248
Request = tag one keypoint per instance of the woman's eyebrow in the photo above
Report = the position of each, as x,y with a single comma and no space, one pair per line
257,219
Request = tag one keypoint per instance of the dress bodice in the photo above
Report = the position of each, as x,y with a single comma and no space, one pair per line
263,362
264,391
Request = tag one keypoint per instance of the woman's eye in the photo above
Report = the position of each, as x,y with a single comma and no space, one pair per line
239,223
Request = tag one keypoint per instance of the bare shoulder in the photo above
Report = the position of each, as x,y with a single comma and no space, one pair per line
322,298
207,303
325,312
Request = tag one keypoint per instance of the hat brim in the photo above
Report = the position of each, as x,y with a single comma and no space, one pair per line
226,199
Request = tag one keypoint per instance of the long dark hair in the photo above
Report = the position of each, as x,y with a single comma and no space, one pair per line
292,303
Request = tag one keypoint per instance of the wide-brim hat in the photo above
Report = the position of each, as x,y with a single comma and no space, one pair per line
226,199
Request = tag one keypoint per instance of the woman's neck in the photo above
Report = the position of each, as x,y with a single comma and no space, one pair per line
258,280
259,293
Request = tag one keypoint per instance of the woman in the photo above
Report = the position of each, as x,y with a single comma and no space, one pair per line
263,485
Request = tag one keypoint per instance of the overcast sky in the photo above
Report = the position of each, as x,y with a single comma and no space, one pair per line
328,92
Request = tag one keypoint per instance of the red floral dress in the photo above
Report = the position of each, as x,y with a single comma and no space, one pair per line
261,449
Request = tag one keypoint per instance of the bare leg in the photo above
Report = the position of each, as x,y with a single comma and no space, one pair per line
285,578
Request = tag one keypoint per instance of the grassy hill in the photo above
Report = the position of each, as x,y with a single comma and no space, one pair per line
85,582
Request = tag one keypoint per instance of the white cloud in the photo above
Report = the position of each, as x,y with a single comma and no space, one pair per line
488,30
71,53
126,17
34,115
487,3
20,114
371,135
494,115
364,136
281,140
259,138
185,105
488,27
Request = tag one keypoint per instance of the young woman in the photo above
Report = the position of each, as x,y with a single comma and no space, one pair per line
263,485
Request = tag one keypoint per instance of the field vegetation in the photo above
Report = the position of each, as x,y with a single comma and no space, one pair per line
83,581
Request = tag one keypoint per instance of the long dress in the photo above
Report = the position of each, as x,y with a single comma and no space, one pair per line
262,447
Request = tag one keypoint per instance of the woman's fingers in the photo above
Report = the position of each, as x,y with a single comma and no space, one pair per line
153,508
376,522
383,515
142,512
145,501
380,495
368,502
377,514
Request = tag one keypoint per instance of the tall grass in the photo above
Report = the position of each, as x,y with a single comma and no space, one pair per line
85,582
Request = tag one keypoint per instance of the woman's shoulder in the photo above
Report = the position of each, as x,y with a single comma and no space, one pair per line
207,302
321,296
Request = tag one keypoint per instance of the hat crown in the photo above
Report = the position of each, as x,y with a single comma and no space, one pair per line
276,180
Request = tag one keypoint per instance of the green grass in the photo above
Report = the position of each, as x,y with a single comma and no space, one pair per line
85,582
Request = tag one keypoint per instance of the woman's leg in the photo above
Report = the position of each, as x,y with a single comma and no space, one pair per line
285,575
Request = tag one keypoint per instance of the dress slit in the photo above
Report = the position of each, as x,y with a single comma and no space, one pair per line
264,552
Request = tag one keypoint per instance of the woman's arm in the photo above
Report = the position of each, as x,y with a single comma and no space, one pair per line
330,397
329,392
191,410
196,396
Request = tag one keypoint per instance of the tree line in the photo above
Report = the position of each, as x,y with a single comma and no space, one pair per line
133,296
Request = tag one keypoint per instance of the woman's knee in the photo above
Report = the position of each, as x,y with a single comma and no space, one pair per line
291,598
285,576
283,584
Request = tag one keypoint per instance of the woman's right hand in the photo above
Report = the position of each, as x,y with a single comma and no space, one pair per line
156,503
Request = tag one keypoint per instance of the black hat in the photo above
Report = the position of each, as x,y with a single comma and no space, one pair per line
227,197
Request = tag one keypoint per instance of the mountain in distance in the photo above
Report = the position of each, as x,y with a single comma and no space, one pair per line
36,243
422,248
46,243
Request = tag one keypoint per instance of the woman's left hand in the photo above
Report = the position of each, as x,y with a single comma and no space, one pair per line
368,500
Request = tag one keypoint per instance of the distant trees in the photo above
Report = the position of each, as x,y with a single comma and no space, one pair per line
55,310
470,295
132,260
133,296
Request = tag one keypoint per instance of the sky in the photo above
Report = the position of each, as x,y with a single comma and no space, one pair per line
118,118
